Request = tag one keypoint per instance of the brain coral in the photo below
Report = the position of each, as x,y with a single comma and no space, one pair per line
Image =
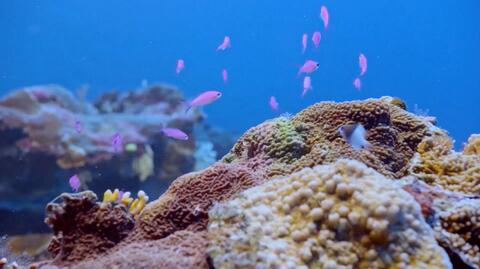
436,163
186,202
342,215
285,145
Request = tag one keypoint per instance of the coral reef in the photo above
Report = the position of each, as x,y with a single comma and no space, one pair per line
436,163
47,134
286,180
285,145
342,215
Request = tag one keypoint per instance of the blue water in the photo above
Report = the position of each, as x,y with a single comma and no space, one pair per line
426,52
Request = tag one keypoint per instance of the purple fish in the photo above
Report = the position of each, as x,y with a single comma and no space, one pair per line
225,44
316,37
304,42
78,126
308,67
175,133
204,98
362,62
307,85
74,183
357,83
273,103
116,142
225,75
324,15
180,66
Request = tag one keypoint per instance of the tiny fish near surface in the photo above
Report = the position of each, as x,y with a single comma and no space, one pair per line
225,44
362,62
354,134
175,133
180,66
316,37
308,67
78,126
324,15
204,98
74,182
273,103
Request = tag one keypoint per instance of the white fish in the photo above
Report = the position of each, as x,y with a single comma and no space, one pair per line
354,134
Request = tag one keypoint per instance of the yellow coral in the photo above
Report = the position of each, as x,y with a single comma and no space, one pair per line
138,204
342,215
110,197
437,164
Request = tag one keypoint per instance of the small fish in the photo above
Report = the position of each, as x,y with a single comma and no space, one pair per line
174,133
78,126
273,103
224,75
116,142
180,66
316,37
362,62
354,134
357,83
308,67
204,98
307,85
324,15
304,42
74,183
225,44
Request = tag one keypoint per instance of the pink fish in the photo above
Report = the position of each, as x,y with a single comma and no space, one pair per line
362,62
225,44
307,85
120,196
224,75
357,83
78,126
204,98
324,15
308,67
116,142
304,42
74,183
180,66
175,133
273,103
316,39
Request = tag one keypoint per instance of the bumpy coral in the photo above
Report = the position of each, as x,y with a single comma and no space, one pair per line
343,215
285,145
185,204
436,163
455,219
83,228
181,250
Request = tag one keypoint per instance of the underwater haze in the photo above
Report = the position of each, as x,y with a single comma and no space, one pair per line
425,52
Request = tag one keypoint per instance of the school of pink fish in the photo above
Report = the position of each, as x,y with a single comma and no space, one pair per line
352,134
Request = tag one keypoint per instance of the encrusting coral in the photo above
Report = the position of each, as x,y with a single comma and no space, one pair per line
342,215
437,164
288,144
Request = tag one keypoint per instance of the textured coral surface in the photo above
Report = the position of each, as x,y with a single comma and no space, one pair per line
437,164
315,214
309,138
342,215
